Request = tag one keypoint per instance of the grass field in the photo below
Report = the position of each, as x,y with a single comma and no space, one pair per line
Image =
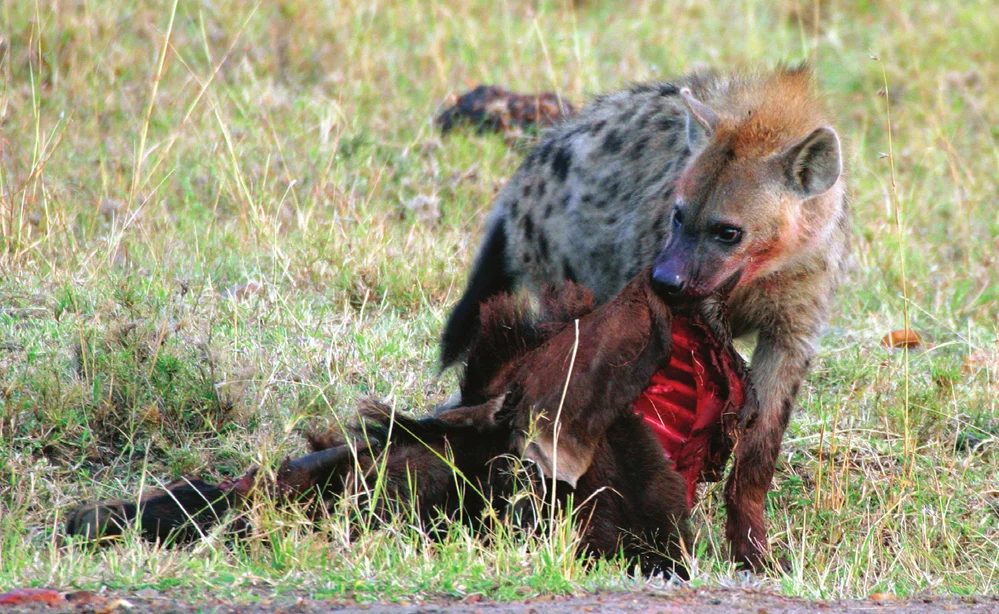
205,247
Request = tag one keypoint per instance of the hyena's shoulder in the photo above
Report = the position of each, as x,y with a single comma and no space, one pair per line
590,202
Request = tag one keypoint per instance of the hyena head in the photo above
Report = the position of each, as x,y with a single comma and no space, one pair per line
761,190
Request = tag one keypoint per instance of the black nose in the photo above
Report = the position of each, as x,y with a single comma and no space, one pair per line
669,283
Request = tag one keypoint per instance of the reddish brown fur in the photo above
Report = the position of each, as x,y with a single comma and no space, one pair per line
618,348
776,112
626,492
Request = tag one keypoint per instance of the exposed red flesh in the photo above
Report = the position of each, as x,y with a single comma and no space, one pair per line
683,403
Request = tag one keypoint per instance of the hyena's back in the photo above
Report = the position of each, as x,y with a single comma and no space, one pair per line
591,203
594,201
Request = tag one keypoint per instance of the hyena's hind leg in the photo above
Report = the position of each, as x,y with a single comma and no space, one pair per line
181,512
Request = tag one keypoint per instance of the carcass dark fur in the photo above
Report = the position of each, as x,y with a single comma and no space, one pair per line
583,439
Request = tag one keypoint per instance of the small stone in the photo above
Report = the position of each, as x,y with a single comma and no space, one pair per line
425,209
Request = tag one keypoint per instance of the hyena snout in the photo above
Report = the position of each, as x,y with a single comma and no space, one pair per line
678,273
672,276
669,278
676,282
686,270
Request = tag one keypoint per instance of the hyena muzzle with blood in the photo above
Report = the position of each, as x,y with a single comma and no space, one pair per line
730,186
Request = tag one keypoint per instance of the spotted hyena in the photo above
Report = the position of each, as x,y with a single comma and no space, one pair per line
729,185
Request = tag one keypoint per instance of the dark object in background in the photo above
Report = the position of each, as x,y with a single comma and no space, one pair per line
490,108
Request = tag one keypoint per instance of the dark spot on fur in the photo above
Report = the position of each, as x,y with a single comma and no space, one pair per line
667,123
668,89
611,188
567,273
638,148
527,258
680,159
626,116
528,223
636,257
564,203
662,218
548,211
561,163
546,151
611,219
543,246
642,88
527,190
612,143
541,188
513,209
597,127
642,121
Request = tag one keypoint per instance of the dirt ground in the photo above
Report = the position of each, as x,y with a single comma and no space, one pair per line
681,601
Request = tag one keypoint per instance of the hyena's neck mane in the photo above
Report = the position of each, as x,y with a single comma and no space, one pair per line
510,327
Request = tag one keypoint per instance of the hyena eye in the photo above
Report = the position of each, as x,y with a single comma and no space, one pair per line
730,235
677,216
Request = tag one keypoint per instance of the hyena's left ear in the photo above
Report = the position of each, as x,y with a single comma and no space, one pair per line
813,164
701,119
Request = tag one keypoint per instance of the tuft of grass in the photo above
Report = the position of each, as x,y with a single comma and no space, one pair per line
205,247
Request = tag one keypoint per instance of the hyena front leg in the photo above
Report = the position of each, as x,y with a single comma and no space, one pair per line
779,366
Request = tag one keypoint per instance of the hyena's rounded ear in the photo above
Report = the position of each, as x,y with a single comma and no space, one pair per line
701,119
813,164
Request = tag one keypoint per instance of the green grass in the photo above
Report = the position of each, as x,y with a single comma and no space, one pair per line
279,142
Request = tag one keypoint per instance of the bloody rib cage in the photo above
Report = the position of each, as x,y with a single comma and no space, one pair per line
622,407
684,402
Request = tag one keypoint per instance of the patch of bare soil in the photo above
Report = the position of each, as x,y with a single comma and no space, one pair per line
680,601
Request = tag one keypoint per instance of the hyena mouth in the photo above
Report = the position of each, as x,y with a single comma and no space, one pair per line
691,404
731,283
